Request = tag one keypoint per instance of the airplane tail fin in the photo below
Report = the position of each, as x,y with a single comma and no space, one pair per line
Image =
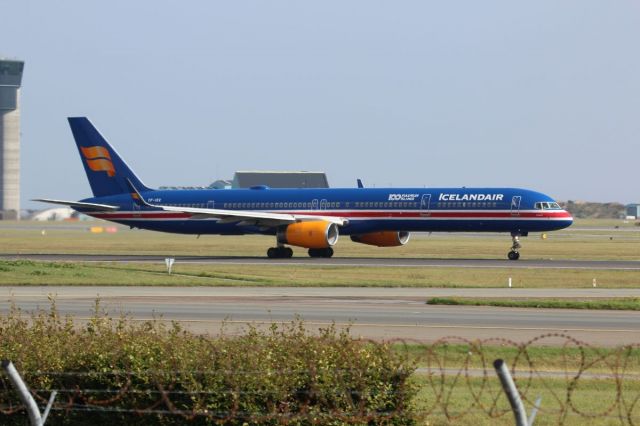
107,172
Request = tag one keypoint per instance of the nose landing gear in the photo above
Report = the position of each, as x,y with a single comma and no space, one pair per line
514,254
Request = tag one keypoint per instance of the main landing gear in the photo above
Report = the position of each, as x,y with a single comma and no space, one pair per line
514,254
321,252
287,253
279,253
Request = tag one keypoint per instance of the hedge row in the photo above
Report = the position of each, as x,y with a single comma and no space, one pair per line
119,371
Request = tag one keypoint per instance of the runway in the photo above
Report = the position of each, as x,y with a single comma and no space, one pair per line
343,261
385,313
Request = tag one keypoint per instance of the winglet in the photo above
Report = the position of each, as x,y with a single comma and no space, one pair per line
360,185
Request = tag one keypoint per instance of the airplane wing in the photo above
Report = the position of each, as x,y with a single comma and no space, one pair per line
93,206
250,217
244,217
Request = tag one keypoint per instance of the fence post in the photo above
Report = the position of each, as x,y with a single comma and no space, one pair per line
534,411
512,392
25,396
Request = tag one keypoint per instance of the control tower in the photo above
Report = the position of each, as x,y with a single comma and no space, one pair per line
10,80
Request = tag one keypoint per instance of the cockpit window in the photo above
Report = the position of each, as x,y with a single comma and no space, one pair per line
543,205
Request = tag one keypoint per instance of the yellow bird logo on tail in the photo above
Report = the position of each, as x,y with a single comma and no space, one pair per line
98,159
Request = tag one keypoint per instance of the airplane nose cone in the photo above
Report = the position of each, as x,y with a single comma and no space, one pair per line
569,218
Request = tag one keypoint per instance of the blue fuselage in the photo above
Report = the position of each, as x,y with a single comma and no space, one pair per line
367,209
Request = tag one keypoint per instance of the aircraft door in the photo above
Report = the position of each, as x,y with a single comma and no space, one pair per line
210,204
425,205
515,205
314,204
323,204
136,209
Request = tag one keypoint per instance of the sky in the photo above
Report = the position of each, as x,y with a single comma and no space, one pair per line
543,94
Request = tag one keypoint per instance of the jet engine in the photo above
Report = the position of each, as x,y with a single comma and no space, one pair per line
382,239
313,235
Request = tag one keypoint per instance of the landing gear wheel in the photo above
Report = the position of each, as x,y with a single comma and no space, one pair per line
280,253
321,252
515,238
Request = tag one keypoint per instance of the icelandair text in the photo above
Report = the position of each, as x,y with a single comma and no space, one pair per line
471,197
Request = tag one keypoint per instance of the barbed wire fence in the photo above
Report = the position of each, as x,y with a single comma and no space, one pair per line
452,380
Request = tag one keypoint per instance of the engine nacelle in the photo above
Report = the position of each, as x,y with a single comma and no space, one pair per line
383,238
315,235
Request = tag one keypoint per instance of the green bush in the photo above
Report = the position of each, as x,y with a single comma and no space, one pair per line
119,371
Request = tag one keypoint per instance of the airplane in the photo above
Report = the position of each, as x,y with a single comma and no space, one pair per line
304,217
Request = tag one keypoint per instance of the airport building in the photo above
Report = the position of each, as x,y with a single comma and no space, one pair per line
272,179
10,81
633,211
278,179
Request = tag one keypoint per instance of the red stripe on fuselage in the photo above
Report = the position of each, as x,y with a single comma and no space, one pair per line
359,214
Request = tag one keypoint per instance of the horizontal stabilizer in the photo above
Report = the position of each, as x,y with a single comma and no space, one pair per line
79,204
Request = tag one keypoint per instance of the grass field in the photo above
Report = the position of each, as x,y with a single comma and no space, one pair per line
620,304
454,399
590,385
48,273
476,402
599,240
593,240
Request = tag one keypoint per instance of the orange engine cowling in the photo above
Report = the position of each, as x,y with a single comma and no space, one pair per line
316,234
382,239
